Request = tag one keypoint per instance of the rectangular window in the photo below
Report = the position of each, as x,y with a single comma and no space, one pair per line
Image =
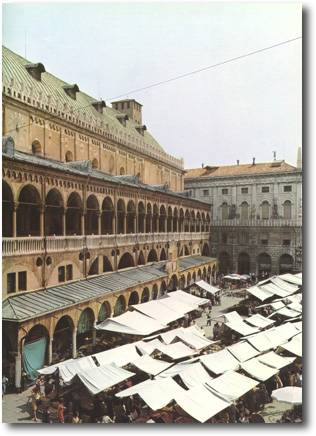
286,242
244,190
205,192
61,274
265,189
225,191
69,272
264,242
287,188
22,280
11,283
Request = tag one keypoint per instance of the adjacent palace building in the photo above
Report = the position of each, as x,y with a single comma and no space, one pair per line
256,214
94,214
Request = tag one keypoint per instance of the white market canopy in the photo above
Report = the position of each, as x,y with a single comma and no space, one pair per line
258,370
288,394
275,305
220,361
158,310
291,278
260,293
169,336
194,375
188,298
207,287
133,323
274,290
47,370
200,403
275,360
287,330
232,385
288,287
70,368
100,378
178,368
149,365
259,321
286,312
242,328
120,356
233,317
266,340
295,346
175,351
243,351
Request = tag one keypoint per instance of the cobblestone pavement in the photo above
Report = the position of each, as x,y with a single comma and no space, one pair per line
17,409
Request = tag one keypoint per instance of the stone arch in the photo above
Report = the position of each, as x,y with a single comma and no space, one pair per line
120,306
145,295
163,255
74,214
122,171
169,219
192,221
36,339
54,212
175,220
131,217
141,259
162,219
104,311
187,221
205,249
199,274
265,210
204,274
152,256
28,212
37,147
133,298
181,220
287,210
154,292
182,282
121,216
7,210
126,261
85,326
189,279
107,216
173,283
95,163
198,222
224,263
155,218
225,211
244,211
92,215
163,288
194,277
62,339
208,222
107,266
148,218
186,250
94,267
264,263
286,264
243,263
69,156
203,222
141,217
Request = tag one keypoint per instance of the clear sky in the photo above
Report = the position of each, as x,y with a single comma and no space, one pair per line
248,108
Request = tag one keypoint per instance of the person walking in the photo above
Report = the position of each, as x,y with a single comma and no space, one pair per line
61,412
5,382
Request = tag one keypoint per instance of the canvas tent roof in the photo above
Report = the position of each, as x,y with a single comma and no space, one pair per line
207,287
295,345
242,328
285,311
274,289
291,278
188,298
133,323
158,310
259,321
177,368
286,331
260,293
275,360
149,365
290,288
265,340
243,351
232,385
69,369
194,375
100,378
200,403
220,361
120,356
258,370
233,317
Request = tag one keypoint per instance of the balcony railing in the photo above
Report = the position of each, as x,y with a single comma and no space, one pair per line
50,244
238,222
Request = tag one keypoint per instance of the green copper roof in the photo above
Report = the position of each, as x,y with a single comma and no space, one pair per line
49,91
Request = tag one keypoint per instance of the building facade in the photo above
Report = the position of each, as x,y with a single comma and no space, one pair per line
256,215
92,220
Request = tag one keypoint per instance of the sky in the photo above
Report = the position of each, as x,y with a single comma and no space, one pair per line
239,110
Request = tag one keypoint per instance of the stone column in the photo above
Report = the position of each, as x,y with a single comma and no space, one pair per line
166,224
114,224
150,224
99,223
15,206
64,222
74,343
42,215
124,222
18,370
83,216
135,224
50,351
94,334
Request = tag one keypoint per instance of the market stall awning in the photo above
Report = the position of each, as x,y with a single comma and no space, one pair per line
120,356
275,360
274,290
100,378
177,368
192,340
133,323
68,371
220,361
233,317
242,328
258,370
260,293
295,345
290,288
266,340
149,365
169,336
207,287
200,403
194,375
286,312
291,278
286,331
232,385
259,321
160,311
187,298
47,370
243,351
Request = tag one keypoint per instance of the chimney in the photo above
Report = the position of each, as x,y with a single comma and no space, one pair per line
131,108
237,161
35,70
253,161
